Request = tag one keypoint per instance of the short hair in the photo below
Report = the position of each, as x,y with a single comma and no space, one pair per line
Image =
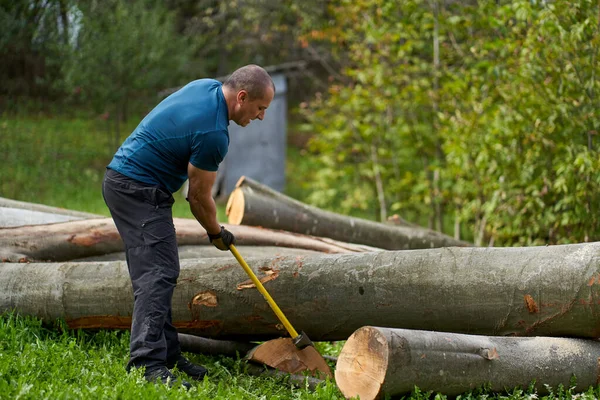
251,78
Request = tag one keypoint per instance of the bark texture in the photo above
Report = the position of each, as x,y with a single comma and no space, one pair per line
200,345
203,251
91,237
18,213
531,291
380,361
252,203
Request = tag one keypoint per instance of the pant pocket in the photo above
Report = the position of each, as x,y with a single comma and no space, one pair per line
158,229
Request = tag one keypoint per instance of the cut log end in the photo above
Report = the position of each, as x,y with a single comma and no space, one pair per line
362,364
235,207
283,355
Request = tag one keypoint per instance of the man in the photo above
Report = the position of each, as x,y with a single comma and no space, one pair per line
185,137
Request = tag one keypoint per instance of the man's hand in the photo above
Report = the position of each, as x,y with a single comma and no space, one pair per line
222,240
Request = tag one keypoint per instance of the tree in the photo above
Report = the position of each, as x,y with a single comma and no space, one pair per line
481,113
125,50
33,37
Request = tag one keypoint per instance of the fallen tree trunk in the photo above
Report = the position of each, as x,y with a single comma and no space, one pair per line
202,251
18,213
23,205
200,345
252,203
11,217
376,362
547,291
90,237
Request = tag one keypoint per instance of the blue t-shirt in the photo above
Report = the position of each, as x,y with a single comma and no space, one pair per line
191,125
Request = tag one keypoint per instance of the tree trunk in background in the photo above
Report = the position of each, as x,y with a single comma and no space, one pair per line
91,237
252,203
9,203
376,362
529,291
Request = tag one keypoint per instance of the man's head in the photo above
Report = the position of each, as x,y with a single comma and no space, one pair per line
248,92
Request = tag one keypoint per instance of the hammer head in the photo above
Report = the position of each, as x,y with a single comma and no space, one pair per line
301,341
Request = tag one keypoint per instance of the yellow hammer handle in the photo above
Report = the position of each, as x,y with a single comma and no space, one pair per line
264,292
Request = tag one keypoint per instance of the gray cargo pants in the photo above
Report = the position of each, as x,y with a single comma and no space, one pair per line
143,216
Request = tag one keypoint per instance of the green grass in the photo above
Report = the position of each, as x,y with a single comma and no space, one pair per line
41,363
52,362
61,162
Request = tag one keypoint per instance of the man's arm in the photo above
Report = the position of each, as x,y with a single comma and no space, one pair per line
202,204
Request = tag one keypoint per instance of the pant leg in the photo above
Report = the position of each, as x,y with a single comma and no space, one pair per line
173,347
143,216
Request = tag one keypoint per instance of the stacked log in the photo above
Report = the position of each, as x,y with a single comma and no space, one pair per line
252,203
406,298
551,291
19,213
90,237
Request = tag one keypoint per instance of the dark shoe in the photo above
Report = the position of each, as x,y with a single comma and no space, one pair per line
165,376
192,370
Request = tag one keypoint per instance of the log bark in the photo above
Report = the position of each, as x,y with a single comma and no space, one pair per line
543,291
23,205
90,237
200,345
18,213
252,203
377,362
202,251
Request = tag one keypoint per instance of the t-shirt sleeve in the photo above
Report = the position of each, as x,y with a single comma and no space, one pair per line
209,149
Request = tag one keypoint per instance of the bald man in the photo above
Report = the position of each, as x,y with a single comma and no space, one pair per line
184,137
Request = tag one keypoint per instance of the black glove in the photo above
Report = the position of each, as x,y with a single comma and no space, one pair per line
222,240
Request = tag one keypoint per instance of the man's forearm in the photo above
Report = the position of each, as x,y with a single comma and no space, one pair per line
205,212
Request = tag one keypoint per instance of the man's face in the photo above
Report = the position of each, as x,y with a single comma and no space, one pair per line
247,109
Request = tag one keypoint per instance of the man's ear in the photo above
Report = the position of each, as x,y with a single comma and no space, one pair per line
242,96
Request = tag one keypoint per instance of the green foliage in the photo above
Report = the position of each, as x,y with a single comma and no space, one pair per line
33,37
482,114
125,50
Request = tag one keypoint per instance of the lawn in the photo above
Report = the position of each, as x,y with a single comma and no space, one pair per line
41,363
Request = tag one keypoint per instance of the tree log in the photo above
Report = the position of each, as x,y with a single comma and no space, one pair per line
77,239
252,203
42,208
19,213
376,362
200,345
543,291
203,251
